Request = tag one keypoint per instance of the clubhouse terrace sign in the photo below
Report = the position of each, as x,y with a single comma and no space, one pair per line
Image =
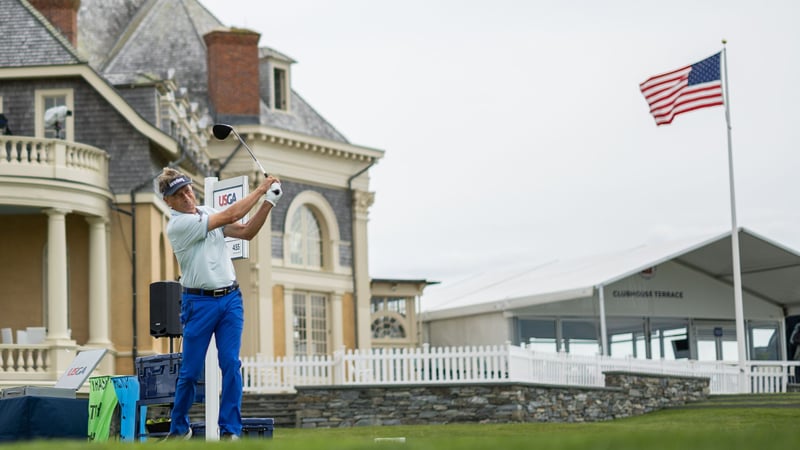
647,274
645,293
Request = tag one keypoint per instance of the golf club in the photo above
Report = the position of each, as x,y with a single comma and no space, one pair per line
221,131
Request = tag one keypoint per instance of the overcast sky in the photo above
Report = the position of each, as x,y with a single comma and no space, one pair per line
515,130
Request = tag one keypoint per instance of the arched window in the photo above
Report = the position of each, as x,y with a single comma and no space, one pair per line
388,327
305,238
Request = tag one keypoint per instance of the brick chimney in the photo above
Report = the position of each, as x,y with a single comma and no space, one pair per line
62,14
233,75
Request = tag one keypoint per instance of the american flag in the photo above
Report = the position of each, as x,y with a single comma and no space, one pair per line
686,89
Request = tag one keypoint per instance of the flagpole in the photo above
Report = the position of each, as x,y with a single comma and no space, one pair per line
737,270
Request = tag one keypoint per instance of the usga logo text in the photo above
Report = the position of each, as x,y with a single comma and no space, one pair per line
227,199
76,371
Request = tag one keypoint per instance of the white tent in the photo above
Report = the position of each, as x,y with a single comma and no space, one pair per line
690,277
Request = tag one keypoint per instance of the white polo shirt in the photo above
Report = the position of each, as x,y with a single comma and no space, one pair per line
204,258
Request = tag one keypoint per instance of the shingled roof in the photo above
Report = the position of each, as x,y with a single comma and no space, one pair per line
123,39
36,42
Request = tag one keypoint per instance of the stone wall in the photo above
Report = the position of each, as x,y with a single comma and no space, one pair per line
626,394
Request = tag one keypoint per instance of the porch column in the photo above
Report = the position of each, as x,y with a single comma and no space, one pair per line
362,200
98,283
263,273
57,294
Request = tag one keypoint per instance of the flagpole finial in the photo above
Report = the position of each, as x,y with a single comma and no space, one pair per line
724,41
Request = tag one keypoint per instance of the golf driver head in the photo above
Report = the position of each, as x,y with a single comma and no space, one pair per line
221,131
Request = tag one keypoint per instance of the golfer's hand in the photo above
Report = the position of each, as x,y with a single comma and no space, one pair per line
274,193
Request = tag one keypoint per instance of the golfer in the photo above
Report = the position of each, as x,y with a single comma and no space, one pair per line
211,301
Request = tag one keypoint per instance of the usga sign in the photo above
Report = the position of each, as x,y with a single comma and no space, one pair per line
224,194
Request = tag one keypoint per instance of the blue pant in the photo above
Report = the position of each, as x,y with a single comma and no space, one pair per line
202,316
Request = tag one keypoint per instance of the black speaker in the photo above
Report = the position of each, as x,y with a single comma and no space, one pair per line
165,309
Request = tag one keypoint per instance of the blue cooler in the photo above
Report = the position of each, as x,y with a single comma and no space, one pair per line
158,377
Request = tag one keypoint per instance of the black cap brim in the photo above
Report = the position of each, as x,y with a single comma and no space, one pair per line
176,187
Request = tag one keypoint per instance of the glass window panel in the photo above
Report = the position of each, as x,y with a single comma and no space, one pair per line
310,324
621,345
539,334
56,131
764,342
299,320
397,305
579,329
305,239
279,76
730,351
679,337
586,347
388,327
706,350
580,337
640,346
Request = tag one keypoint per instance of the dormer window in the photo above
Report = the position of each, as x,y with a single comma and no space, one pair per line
275,82
280,88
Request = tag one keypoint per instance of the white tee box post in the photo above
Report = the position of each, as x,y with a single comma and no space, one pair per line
220,195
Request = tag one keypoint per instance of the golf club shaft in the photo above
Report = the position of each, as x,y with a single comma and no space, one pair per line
249,151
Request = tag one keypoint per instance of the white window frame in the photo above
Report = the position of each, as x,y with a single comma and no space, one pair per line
39,109
290,297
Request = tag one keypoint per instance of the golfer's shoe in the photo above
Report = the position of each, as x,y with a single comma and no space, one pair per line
178,437
228,437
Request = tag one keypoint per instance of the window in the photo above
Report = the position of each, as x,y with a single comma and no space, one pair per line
280,88
388,327
578,336
310,323
581,337
311,238
716,341
389,317
764,339
305,239
393,304
4,128
53,114
540,334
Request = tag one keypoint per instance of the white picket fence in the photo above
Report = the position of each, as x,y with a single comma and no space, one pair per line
481,364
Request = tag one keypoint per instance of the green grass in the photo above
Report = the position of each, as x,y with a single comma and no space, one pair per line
723,423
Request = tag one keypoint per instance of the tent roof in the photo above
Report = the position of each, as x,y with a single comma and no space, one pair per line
769,270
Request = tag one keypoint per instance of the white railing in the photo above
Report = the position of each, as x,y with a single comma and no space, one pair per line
28,364
424,365
281,374
53,158
480,364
